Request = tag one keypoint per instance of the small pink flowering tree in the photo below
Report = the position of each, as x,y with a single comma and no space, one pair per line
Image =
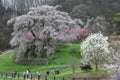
80,33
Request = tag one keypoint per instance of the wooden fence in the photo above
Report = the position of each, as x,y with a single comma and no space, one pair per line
45,77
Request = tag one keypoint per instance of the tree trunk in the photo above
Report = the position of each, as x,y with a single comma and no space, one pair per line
96,66
32,51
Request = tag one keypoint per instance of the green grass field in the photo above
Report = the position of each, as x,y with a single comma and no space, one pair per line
64,60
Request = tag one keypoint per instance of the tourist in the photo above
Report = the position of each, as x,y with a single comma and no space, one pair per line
38,74
24,75
15,73
28,74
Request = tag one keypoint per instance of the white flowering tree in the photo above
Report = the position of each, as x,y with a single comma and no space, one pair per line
98,24
114,63
35,32
95,49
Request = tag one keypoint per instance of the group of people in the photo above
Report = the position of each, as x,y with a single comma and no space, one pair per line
28,75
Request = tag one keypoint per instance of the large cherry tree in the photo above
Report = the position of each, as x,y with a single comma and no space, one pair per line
36,32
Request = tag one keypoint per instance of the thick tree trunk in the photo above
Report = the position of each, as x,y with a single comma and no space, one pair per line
32,51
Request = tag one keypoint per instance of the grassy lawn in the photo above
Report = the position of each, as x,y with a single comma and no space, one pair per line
64,60
66,57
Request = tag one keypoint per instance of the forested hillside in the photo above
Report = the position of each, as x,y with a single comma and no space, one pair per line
84,9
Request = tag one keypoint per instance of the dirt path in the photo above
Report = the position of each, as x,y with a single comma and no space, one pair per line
5,52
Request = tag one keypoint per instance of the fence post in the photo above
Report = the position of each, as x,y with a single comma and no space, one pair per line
73,68
12,75
45,77
54,77
18,76
31,76
24,76
63,78
6,74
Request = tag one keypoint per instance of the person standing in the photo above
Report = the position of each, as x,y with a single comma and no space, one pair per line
38,74
14,74
28,74
24,75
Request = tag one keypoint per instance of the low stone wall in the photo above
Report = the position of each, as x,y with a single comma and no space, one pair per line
33,62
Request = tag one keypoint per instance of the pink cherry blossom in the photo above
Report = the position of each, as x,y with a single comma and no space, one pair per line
79,31
29,36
